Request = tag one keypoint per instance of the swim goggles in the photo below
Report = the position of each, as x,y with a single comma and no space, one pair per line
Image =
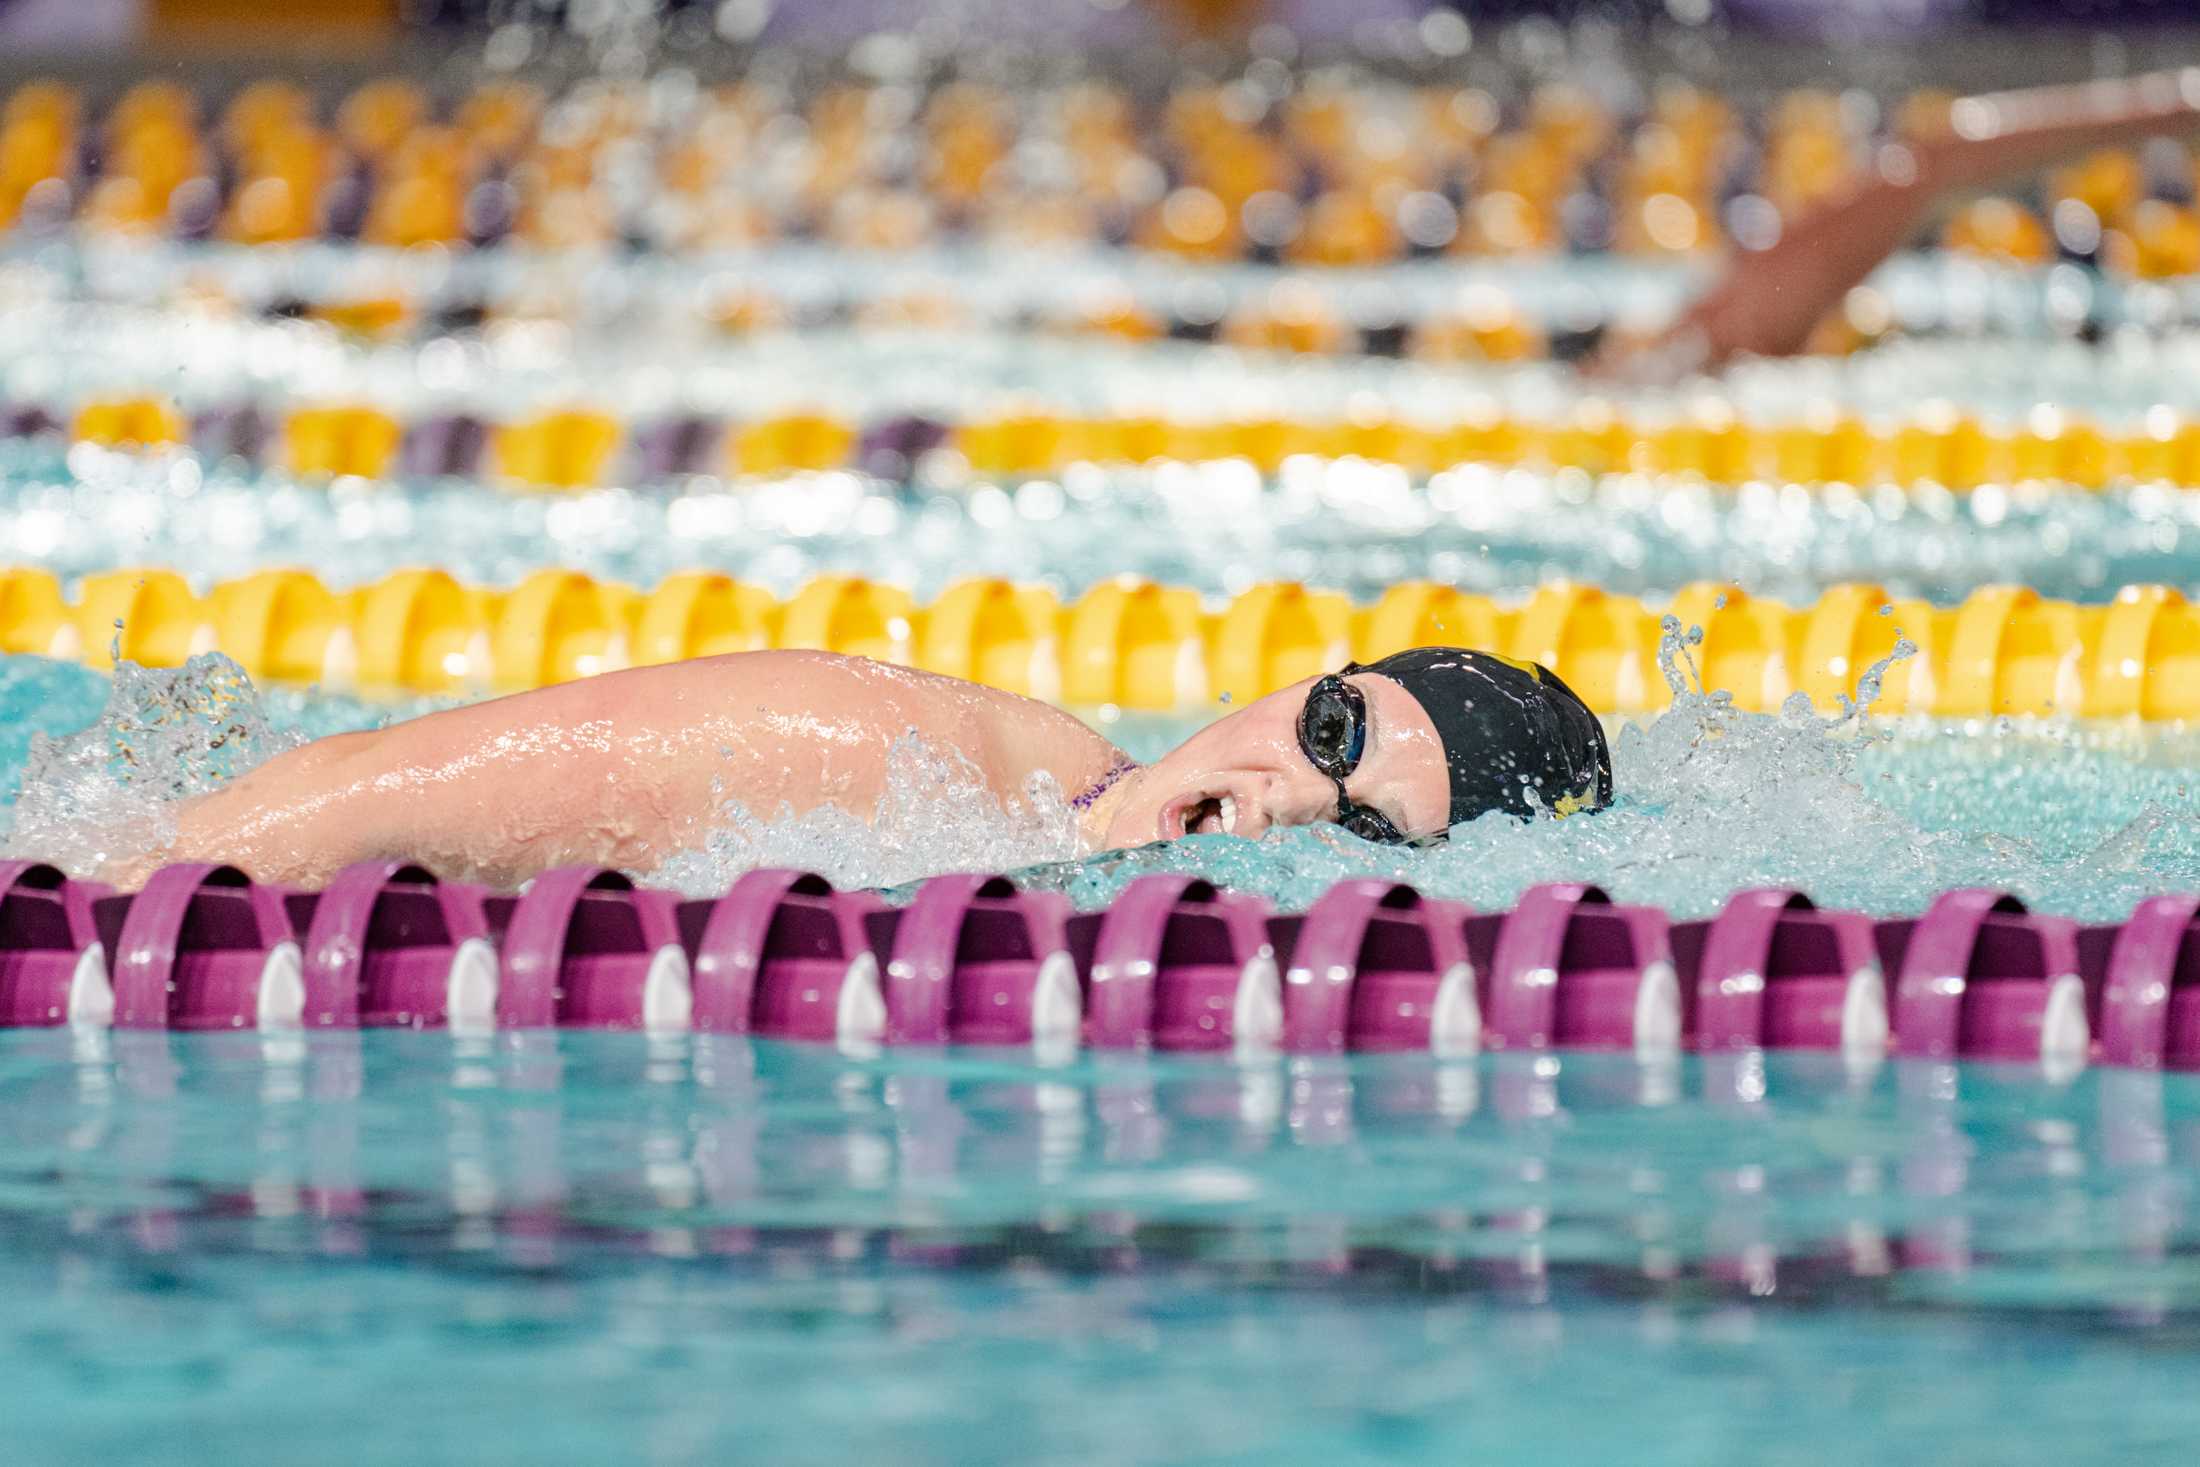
1333,736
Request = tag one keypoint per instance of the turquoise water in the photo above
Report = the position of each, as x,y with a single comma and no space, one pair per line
42,697
1346,525
382,1247
411,1249
2079,819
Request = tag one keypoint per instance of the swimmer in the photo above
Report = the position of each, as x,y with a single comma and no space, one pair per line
1767,302
631,767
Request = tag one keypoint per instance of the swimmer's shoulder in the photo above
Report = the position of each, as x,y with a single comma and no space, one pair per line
1009,729
793,680
797,674
787,671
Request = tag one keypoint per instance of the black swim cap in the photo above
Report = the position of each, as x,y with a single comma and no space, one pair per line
1515,738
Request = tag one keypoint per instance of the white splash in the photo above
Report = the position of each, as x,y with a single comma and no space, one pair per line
936,815
1874,815
1858,812
110,792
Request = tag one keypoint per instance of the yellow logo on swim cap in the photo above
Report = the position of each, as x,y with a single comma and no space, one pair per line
1572,804
1530,668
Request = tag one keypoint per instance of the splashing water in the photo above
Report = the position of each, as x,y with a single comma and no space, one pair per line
1711,799
1874,814
164,736
935,815
111,790
41,699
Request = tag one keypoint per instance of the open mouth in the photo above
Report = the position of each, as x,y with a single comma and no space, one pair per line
1207,815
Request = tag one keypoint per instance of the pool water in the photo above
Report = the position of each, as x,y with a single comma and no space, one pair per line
2075,818
693,1250
1216,527
577,1247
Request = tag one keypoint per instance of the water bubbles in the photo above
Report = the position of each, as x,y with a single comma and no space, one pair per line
1712,800
1674,653
936,815
1868,686
1873,815
106,795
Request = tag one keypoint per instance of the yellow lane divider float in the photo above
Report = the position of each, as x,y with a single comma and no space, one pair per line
1131,643
579,449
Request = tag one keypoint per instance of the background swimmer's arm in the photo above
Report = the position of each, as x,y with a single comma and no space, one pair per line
1768,301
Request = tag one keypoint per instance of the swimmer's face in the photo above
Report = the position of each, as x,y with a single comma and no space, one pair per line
1247,773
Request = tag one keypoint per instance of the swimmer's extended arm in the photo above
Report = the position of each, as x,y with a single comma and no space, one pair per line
624,769
292,819
1768,302
608,770
491,791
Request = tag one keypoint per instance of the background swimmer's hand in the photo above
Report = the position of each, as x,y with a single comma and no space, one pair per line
1768,302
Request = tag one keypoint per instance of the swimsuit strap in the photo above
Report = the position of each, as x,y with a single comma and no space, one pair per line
1103,784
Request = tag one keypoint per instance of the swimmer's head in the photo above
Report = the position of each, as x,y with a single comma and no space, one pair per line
1401,749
